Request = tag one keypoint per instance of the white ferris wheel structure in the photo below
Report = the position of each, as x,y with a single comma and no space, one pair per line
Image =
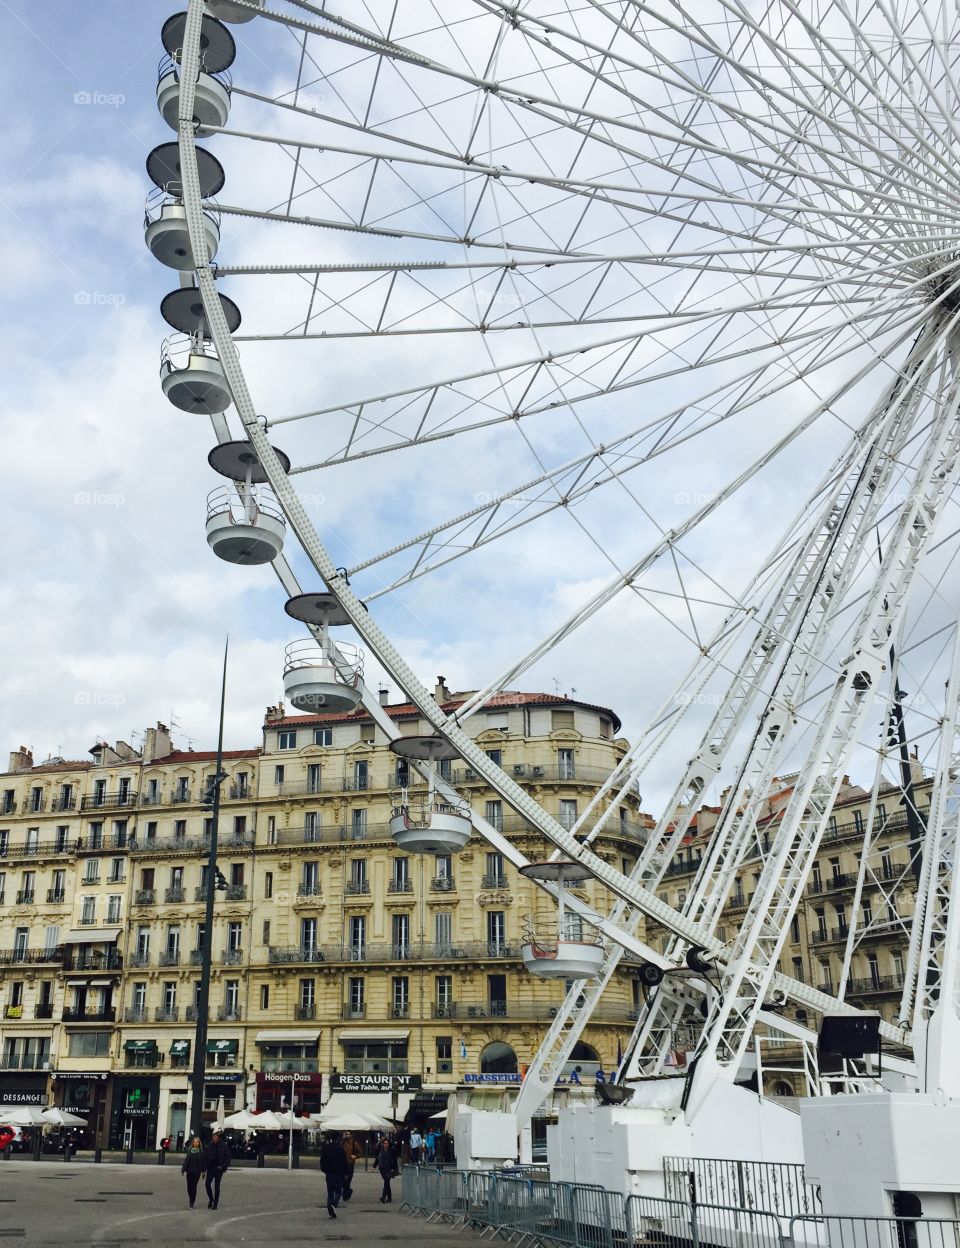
661,263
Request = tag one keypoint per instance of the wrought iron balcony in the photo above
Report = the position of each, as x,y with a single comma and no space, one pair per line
353,1011
179,796
416,951
56,895
11,957
25,897
235,892
309,890
443,884
87,959
295,953
64,803
305,1013
166,1014
493,879
446,1009
121,800
43,1009
229,1014
33,806
87,1015
232,957
135,1014
170,957
176,893
145,897
357,888
139,959
400,886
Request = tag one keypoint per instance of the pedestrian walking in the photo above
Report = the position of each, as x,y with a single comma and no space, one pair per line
387,1166
216,1163
353,1151
193,1167
430,1144
333,1163
416,1146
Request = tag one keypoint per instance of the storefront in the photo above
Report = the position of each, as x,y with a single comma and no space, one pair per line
226,1086
87,1094
22,1089
387,1096
174,1103
274,1089
133,1117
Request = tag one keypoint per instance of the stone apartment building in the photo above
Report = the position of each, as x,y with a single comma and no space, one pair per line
339,963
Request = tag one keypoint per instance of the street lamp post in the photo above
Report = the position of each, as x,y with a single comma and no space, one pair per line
206,945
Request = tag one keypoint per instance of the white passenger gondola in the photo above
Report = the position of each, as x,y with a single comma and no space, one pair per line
560,945
245,523
319,675
427,823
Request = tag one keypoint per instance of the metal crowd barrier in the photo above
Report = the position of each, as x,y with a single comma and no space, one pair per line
529,1211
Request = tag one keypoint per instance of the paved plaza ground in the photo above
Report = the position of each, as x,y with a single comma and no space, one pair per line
80,1204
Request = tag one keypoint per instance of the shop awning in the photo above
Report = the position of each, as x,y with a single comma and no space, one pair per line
91,935
180,1048
378,1103
223,1046
373,1033
287,1037
140,1046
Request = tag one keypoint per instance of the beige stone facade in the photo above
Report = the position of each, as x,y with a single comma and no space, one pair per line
333,953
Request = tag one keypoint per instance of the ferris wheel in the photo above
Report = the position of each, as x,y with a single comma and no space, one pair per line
559,308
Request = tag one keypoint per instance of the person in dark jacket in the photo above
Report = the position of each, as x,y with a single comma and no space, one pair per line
333,1163
193,1167
216,1162
387,1165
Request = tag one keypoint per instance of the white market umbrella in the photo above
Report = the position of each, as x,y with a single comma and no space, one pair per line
242,1120
355,1121
220,1110
267,1121
287,1122
23,1116
62,1117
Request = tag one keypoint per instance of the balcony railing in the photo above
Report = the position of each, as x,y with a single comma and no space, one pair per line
109,801
175,893
170,957
33,805
879,983
235,892
443,884
357,888
139,959
833,883
64,803
229,1014
10,957
166,1014
179,796
36,849
305,1013
86,1015
151,798
400,1009
94,960
400,886
13,1011
231,957
353,1011
493,879
145,897
191,1013
445,1009
43,1009
39,1060
135,1014
309,890
56,895
416,951
25,896
238,792
188,844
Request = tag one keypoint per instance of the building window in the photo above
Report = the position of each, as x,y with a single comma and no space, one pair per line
358,824
308,935
266,932
88,912
170,996
357,936
89,1044
308,991
495,756
234,937
496,933
323,736
444,1055
314,779
443,930
231,998
374,1057
116,871
400,996
401,875
356,1001
493,813
286,740
561,720
401,935
568,812
367,733
444,995
278,774
358,876
91,871
113,908
28,1052
494,876
268,884
566,769
264,996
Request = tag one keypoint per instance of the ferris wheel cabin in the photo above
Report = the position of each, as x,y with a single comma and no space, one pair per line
211,105
426,823
558,946
245,522
227,11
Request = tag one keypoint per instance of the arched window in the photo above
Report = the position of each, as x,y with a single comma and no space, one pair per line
498,1059
584,1053
783,1089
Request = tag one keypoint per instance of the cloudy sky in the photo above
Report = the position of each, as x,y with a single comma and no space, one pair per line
115,610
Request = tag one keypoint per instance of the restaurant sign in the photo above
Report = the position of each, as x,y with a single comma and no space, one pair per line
375,1083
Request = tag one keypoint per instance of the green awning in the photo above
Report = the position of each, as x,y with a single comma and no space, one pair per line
223,1046
140,1046
180,1048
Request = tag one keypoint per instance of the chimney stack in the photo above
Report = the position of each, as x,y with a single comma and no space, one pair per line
384,696
441,693
21,760
156,743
